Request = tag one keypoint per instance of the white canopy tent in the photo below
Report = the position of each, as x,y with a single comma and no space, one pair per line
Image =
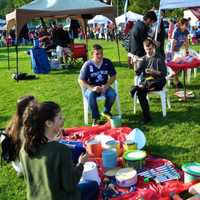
99,19
194,19
128,16
172,4
2,24
76,9
2,21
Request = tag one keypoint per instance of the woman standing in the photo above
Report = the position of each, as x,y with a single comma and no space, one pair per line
179,40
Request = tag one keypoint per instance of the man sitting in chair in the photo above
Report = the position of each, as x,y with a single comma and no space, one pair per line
97,76
152,70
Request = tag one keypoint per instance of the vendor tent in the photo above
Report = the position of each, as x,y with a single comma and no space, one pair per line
56,9
99,19
189,14
79,9
171,4
2,21
128,16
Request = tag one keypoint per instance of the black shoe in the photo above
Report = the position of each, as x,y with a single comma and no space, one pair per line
147,120
95,122
179,85
107,115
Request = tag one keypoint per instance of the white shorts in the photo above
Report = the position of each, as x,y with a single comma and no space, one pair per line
60,51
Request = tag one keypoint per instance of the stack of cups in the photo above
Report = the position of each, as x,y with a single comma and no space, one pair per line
109,157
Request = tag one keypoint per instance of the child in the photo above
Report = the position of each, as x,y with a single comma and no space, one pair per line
14,128
153,71
47,164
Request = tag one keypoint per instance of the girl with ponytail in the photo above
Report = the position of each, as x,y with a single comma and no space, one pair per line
47,164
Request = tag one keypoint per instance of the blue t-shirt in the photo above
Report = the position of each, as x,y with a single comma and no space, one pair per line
180,38
97,76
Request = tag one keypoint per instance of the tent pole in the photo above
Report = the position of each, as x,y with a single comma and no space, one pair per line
117,41
158,24
85,30
17,61
8,51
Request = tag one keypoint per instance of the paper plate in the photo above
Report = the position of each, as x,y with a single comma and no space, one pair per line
103,139
89,166
189,94
138,137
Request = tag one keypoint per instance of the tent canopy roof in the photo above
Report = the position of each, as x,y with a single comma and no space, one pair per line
63,5
171,4
128,16
56,9
99,19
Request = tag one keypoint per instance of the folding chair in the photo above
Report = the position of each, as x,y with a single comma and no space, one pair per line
163,96
86,105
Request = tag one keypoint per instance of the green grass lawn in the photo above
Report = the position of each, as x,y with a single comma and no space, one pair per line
176,137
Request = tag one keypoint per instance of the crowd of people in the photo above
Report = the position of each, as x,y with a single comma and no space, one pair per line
102,31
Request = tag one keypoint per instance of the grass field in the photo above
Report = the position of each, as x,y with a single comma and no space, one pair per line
175,137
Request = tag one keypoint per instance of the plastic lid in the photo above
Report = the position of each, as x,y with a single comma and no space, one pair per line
126,174
112,172
192,168
134,155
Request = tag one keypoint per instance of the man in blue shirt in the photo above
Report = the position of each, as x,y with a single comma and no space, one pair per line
97,76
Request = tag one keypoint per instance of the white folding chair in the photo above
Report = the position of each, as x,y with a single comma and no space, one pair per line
189,71
86,105
163,96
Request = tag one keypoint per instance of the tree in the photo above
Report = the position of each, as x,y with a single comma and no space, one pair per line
7,6
142,6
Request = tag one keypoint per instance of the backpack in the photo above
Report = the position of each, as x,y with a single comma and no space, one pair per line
6,147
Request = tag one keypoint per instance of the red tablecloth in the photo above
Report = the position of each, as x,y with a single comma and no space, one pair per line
150,190
183,66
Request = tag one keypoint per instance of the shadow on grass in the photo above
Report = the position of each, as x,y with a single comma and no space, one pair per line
123,64
4,119
72,70
167,151
193,87
173,117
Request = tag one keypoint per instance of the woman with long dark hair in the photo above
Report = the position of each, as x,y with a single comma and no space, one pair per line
47,164
13,129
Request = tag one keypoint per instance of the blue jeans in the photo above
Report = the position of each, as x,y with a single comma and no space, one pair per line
110,96
89,190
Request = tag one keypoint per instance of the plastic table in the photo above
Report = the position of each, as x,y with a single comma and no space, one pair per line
184,66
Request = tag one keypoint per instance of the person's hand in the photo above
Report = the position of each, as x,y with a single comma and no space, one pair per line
135,59
83,158
97,89
147,71
104,88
